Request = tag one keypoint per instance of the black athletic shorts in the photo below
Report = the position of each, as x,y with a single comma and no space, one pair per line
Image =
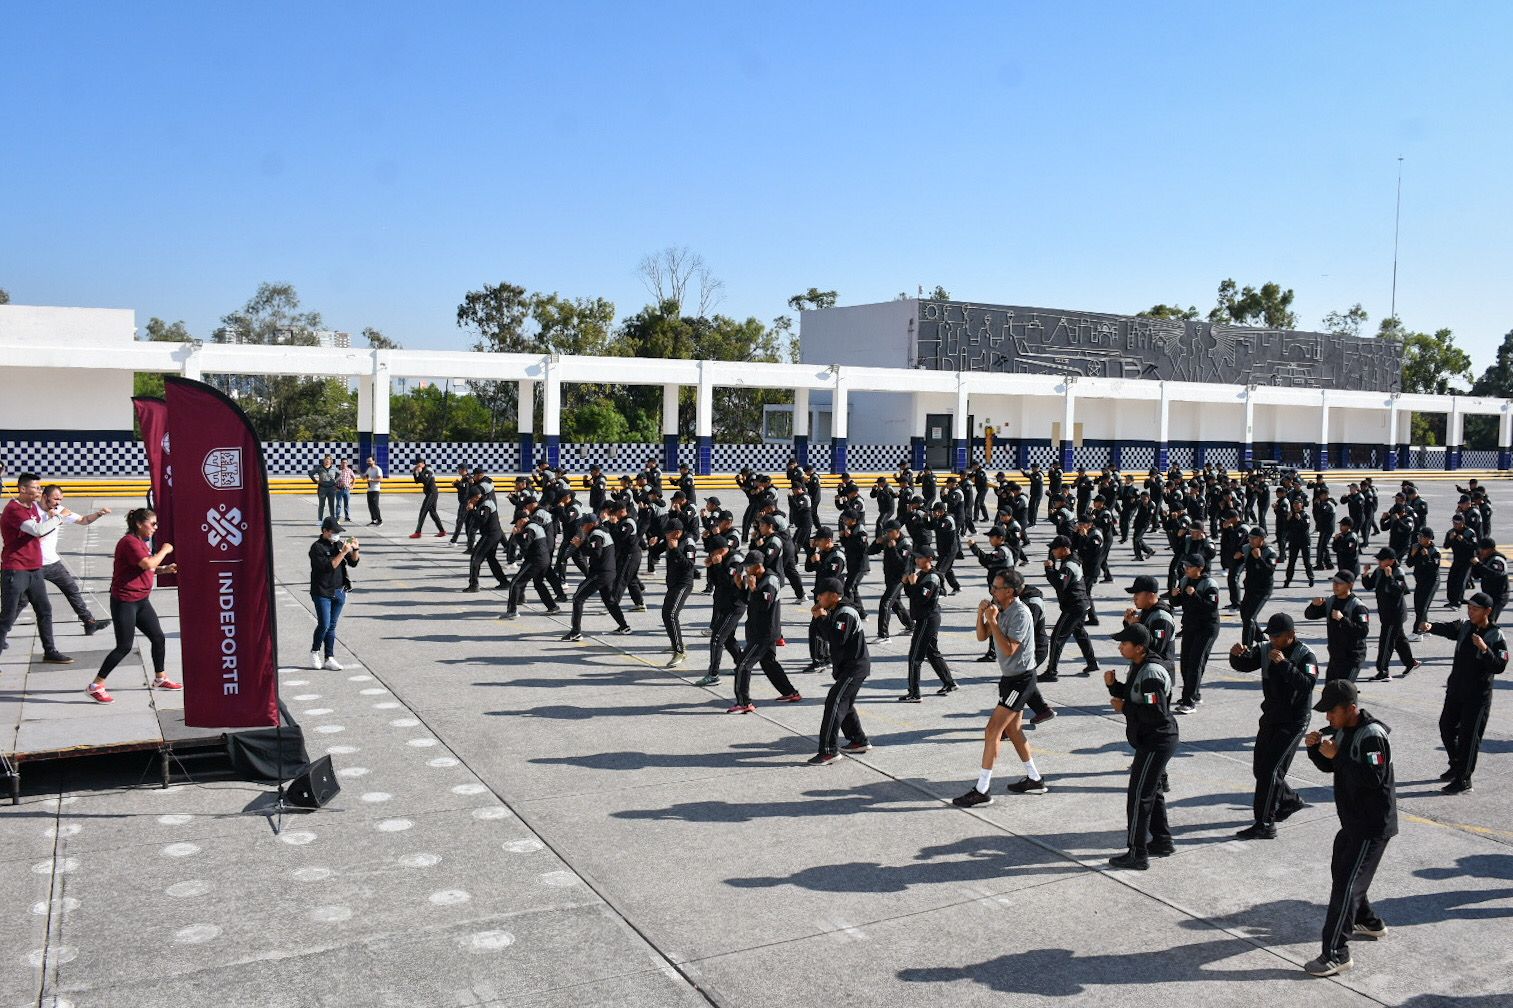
1013,691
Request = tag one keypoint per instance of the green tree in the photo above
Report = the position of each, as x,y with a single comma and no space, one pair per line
378,341
5,296
1166,311
496,317
680,275
1268,306
938,294
1497,382
1346,323
813,299
146,383
1432,364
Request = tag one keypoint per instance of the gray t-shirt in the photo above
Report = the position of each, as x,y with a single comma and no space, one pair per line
1017,623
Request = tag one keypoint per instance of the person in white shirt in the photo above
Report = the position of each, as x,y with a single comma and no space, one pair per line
53,567
375,478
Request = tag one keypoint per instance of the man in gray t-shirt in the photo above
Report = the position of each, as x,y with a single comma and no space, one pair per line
1010,624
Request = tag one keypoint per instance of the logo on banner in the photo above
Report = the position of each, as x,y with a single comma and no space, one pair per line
223,468
223,527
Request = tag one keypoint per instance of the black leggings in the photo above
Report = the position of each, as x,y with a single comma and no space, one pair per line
672,613
128,618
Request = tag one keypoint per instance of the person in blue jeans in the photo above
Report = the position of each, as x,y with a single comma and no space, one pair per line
330,559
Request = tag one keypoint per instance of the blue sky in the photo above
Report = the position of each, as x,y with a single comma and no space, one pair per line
387,158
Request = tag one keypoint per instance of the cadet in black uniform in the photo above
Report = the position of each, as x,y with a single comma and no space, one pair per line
682,572
429,495
1461,542
1037,491
1391,588
898,560
1299,542
1260,576
885,497
1198,598
947,544
764,626
627,536
597,547
1348,624
1480,653
853,542
923,587
842,626
1490,569
827,562
1144,698
1346,546
1288,672
1066,579
466,485
486,549
1355,749
1149,611
535,565
1423,560
724,569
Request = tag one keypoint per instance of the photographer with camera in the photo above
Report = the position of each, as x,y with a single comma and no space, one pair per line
330,557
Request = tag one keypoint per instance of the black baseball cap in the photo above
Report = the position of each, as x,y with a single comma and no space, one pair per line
1135,634
1481,599
1386,553
330,524
928,552
1256,532
1195,560
1278,623
823,532
1061,542
998,531
1486,542
1344,577
1144,583
829,585
1337,693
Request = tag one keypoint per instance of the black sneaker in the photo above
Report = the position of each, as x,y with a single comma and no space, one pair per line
1130,860
1257,831
621,630
1454,787
1091,670
553,611
1373,928
1448,775
1027,785
1328,966
1048,714
910,698
471,589
509,614
1161,848
857,748
1287,808
59,658
949,687
709,680
822,759
95,626
572,635
990,656
972,799
1381,676
1048,677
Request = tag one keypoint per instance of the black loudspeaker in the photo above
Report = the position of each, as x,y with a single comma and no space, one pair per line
315,785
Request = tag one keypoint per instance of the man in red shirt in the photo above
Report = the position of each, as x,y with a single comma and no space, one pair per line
22,526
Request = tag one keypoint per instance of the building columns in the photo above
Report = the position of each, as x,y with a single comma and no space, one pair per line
525,422
1069,425
1321,450
1390,461
1248,445
1505,437
801,426
670,428
1455,423
1163,428
838,424
551,410
963,437
704,420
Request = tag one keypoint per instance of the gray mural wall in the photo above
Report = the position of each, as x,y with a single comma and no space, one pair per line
960,336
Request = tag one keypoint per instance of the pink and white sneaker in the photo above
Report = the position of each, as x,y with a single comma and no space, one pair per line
163,682
98,693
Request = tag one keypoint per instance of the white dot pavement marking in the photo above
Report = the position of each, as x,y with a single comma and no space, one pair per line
188,889
298,838
560,879
296,682
420,860
304,697
489,812
386,705
352,771
403,723
175,819
63,866
526,845
440,762
393,825
66,830
373,691
469,789
374,797
421,743
341,750
319,712
64,904
331,914
178,850
359,678
314,873
52,957
330,729
197,934
450,897
489,941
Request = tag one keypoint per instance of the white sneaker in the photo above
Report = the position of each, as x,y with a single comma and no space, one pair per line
1415,637
315,660
332,665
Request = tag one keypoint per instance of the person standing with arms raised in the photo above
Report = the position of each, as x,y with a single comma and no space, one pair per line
22,526
133,574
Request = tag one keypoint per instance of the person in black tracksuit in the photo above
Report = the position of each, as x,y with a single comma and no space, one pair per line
1461,542
1490,569
1144,698
1066,578
1232,547
535,565
853,544
1299,542
628,550
1423,559
947,543
898,560
682,572
1348,624
841,624
1036,480
1324,514
827,561
1391,589
1346,546
1260,562
728,607
429,496
1198,598
1288,672
923,587
1481,653
1355,750
885,497
597,547
764,626
1145,520
466,485
483,515
1129,498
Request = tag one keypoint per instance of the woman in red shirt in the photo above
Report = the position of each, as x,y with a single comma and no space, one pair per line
131,609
